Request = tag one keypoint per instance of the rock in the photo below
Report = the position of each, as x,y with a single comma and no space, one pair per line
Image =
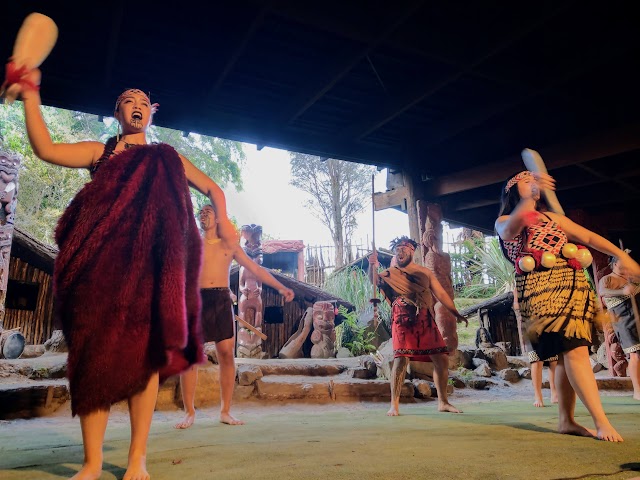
363,373
510,375
457,381
55,371
211,352
248,374
423,389
56,343
32,351
601,356
386,352
595,365
479,354
525,373
422,370
517,362
483,370
465,355
478,384
496,358
368,362
343,352
478,362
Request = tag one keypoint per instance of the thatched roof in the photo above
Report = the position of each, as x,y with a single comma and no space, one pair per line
33,251
309,292
503,300
384,257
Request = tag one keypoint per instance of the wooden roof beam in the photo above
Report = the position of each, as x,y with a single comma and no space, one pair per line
112,50
239,50
394,109
572,153
344,65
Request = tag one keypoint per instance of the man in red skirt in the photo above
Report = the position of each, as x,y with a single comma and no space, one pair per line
409,288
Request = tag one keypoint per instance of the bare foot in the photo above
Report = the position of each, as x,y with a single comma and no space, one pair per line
230,419
137,469
189,418
636,396
538,403
447,407
609,434
393,411
554,397
573,428
88,472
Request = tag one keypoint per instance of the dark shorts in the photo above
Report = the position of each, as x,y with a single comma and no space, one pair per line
550,344
217,314
625,327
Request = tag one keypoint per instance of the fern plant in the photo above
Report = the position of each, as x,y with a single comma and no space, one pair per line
357,339
493,274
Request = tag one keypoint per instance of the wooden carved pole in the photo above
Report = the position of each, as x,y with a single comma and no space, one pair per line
375,301
9,169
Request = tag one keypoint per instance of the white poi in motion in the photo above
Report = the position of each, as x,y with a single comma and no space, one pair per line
34,42
534,163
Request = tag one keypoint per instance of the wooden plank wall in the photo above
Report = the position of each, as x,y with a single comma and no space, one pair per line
277,333
503,326
36,326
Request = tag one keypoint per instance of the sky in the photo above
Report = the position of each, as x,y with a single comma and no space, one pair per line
269,200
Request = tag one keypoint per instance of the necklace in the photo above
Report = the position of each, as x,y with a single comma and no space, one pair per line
213,241
618,275
127,146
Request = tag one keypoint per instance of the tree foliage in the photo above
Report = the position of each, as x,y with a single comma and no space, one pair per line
339,190
45,190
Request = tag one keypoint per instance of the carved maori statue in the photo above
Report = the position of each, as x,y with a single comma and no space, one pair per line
250,307
439,263
324,333
9,168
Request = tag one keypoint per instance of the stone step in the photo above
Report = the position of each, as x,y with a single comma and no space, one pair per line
29,399
302,366
328,389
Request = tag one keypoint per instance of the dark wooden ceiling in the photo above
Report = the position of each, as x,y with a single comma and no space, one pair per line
451,91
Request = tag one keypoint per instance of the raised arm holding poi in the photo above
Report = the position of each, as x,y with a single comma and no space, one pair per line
126,239
555,298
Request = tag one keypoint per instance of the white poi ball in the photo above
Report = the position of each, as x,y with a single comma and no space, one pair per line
527,263
569,250
584,257
548,260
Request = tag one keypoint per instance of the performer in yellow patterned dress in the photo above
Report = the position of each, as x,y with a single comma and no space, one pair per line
555,298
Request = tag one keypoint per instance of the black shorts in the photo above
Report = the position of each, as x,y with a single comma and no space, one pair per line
217,314
550,344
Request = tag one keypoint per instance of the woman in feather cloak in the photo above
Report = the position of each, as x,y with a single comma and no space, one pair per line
126,276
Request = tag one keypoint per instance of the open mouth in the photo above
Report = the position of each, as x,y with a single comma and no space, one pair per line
136,116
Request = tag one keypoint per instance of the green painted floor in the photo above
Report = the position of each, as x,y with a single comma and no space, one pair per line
491,440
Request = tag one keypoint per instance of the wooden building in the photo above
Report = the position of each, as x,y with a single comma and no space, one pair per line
280,320
29,302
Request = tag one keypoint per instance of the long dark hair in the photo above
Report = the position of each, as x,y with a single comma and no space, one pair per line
509,199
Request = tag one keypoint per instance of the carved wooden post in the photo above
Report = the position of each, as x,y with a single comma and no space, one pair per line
250,308
439,262
600,268
412,211
9,170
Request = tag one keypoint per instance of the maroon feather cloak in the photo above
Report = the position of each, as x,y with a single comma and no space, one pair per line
126,279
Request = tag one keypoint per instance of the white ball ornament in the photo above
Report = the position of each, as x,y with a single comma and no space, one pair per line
584,257
527,263
569,250
548,260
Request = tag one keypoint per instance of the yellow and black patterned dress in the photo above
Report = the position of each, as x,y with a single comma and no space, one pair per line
557,304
